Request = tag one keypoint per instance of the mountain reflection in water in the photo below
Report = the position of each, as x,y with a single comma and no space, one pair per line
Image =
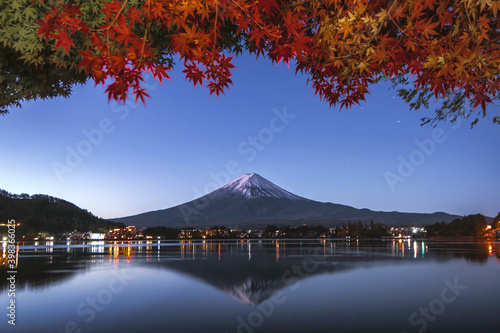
250,271
255,286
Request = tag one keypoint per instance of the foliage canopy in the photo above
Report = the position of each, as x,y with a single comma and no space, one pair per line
446,49
470,225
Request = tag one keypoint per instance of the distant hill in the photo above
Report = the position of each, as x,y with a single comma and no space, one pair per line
252,201
39,212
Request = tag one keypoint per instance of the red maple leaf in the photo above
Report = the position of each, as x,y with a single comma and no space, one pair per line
63,40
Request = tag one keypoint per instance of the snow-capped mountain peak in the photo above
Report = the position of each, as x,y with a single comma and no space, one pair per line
253,185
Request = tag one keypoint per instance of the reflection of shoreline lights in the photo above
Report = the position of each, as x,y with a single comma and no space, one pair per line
149,249
5,257
116,252
398,248
121,251
97,246
4,253
125,249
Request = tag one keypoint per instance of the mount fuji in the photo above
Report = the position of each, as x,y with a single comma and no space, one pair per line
251,186
252,201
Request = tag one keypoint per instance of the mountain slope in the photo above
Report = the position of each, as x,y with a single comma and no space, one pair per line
252,186
252,201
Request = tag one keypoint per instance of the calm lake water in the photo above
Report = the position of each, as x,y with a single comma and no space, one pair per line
256,286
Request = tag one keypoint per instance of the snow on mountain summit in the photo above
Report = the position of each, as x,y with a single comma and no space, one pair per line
253,185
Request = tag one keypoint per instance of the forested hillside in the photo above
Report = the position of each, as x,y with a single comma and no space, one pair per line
38,213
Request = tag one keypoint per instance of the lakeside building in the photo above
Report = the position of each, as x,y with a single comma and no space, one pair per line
407,232
127,232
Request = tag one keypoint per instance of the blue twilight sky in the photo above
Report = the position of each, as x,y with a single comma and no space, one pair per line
121,160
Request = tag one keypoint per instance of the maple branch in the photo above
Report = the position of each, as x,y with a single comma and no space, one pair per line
215,29
251,18
114,20
314,10
400,29
468,15
112,23
143,45
118,14
145,34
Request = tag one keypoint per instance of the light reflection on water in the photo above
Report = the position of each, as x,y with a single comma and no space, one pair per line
254,285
